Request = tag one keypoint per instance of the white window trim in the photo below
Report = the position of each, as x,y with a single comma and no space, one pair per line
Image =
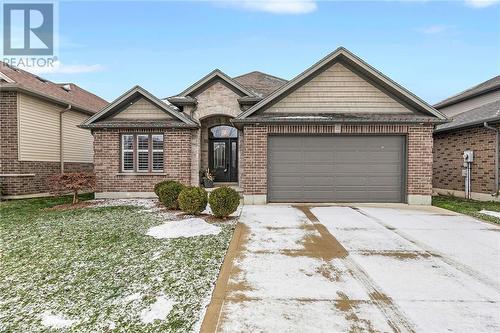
127,150
157,151
142,151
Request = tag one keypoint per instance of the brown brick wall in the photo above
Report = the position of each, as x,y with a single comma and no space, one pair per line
177,161
35,173
419,141
419,167
448,160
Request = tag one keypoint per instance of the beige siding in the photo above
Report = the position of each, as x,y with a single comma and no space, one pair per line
39,133
77,142
142,109
38,129
338,90
470,104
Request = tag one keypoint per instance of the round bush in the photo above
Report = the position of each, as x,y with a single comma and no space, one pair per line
224,201
168,194
160,184
193,200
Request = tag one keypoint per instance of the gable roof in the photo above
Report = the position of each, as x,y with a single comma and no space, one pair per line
213,75
260,84
477,90
131,95
15,78
346,56
485,113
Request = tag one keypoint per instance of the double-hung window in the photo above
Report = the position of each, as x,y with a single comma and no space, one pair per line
142,153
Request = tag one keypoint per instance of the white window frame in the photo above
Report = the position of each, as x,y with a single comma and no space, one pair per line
128,151
147,150
153,151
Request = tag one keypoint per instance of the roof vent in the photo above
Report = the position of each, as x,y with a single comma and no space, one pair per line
66,87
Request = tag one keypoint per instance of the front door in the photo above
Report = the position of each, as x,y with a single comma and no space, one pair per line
223,159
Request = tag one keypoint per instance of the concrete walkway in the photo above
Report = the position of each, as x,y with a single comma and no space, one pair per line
358,269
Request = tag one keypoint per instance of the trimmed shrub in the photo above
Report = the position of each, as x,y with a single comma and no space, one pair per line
224,201
168,193
160,184
193,200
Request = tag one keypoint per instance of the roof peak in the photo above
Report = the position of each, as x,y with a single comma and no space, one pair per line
476,90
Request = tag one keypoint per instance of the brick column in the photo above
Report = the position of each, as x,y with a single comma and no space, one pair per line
254,173
419,173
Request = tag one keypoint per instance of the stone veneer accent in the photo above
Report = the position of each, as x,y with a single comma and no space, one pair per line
109,178
419,151
448,160
23,177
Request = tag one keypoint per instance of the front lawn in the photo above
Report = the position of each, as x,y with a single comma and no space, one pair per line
468,207
95,270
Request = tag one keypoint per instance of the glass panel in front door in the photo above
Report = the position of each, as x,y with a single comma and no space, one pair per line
220,155
234,154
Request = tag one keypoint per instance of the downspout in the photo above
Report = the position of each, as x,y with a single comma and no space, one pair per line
61,141
496,155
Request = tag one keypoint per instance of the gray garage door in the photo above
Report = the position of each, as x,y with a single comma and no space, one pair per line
336,168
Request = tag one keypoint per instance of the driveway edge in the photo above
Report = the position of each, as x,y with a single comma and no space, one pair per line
213,312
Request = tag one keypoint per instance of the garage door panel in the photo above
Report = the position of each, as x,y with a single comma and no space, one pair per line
336,168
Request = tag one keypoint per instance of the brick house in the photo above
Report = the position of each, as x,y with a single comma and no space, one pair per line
39,136
340,131
474,125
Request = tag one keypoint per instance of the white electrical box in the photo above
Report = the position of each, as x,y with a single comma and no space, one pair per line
464,172
468,156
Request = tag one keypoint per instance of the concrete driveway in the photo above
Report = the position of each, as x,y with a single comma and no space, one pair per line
359,268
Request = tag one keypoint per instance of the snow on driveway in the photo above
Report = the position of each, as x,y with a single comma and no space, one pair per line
363,268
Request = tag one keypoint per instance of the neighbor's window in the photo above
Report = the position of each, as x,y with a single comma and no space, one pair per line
142,152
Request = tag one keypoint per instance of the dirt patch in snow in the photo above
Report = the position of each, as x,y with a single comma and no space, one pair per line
329,272
350,309
68,206
323,246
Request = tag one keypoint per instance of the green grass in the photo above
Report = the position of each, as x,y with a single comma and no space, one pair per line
468,207
81,264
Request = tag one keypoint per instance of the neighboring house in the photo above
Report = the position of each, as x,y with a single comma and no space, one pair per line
475,121
39,134
340,131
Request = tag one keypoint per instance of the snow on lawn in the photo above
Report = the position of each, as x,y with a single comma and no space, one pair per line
158,310
183,228
55,321
97,268
490,213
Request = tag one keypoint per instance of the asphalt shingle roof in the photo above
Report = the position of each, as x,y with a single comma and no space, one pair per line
486,112
76,96
489,85
260,84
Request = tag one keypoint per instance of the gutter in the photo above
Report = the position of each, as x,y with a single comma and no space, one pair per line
61,141
485,124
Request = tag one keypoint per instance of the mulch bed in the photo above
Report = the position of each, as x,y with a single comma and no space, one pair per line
68,206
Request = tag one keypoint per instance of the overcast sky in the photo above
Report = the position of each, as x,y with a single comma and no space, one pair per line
433,48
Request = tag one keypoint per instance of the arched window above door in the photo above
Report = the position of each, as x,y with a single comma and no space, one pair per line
223,132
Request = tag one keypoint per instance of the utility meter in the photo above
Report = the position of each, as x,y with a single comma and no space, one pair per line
468,156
